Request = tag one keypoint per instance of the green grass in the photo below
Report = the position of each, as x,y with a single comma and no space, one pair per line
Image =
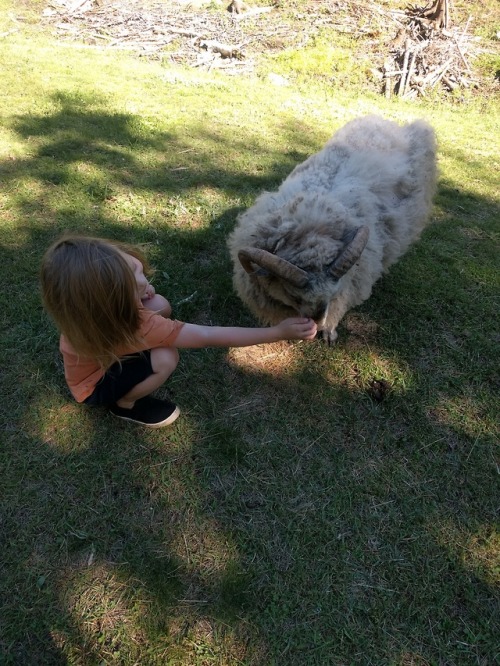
288,518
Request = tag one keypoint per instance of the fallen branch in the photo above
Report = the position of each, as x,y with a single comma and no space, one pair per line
225,50
438,74
402,81
411,70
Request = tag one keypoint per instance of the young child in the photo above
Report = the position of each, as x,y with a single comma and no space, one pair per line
117,339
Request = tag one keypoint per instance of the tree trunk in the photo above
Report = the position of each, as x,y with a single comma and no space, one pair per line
438,13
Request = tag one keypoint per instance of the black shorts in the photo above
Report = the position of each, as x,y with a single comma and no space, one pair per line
121,378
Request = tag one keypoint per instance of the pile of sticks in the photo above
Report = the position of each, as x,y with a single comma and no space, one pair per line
426,54
198,37
156,30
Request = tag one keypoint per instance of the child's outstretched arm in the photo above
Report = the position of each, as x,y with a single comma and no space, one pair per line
192,336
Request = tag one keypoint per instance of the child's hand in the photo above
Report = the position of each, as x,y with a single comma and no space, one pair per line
297,328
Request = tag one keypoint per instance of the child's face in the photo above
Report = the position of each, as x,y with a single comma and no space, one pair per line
138,270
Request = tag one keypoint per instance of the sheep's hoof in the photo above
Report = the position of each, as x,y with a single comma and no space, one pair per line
328,337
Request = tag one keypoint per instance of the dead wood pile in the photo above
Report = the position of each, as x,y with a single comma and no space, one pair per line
155,30
199,37
184,34
427,53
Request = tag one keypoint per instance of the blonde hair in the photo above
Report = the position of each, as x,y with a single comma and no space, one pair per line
90,291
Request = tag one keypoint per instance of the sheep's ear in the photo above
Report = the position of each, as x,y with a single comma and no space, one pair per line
270,263
351,252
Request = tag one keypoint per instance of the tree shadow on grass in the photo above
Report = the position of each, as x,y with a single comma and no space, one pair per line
394,496
288,515
91,544
168,163
77,518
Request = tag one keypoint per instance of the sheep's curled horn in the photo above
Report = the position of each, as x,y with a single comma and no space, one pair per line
297,276
273,264
351,253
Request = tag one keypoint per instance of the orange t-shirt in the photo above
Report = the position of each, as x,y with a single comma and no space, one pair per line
83,373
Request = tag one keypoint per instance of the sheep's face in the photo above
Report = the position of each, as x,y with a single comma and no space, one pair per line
313,251
299,272
311,301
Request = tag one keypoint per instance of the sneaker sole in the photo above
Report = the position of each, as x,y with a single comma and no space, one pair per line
173,417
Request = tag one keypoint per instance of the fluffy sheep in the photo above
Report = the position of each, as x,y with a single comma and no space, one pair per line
317,245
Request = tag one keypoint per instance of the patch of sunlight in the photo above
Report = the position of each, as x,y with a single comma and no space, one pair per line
465,414
211,641
64,426
187,77
9,222
68,427
209,195
483,273
482,552
26,186
477,551
388,368
11,147
476,233
88,169
106,610
328,118
183,215
113,616
202,546
411,659
365,365
273,359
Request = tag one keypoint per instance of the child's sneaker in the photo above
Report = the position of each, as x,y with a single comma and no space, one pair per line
149,412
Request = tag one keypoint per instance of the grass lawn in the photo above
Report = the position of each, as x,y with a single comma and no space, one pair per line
288,518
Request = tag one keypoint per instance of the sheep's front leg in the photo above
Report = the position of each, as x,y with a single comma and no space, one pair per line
336,310
329,336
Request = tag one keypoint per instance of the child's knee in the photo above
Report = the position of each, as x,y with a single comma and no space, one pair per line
158,304
166,310
164,359
163,306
